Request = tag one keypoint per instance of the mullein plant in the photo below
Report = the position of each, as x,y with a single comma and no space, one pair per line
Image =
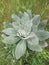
26,31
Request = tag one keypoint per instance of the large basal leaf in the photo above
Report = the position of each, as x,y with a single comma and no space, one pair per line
35,47
36,20
10,31
43,44
20,49
33,39
10,40
42,24
43,35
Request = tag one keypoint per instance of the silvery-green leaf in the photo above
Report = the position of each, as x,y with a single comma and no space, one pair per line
26,25
25,16
29,13
43,44
35,47
20,14
43,35
33,39
20,49
36,20
10,31
7,25
10,40
15,18
25,19
42,24
34,28
16,25
16,21
3,35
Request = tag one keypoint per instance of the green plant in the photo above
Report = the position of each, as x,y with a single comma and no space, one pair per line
26,31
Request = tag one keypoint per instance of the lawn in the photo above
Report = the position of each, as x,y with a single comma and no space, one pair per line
7,8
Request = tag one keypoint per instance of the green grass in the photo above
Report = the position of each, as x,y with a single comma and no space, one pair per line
8,7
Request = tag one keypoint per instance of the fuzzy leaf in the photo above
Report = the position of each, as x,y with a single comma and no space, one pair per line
3,35
15,18
10,31
26,25
20,14
34,28
10,40
16,25
7,25
25,16
43,35
20,49
35,47
42,24
33,40
36,20
29,13
43,44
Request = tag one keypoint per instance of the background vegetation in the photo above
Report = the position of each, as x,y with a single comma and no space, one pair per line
8,7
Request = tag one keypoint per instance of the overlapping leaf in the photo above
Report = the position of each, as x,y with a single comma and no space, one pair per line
20,49
10,31
10,40
43,35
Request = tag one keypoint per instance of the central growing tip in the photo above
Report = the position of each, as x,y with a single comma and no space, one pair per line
22,33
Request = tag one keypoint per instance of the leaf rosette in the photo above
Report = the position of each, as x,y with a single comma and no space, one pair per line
26,31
